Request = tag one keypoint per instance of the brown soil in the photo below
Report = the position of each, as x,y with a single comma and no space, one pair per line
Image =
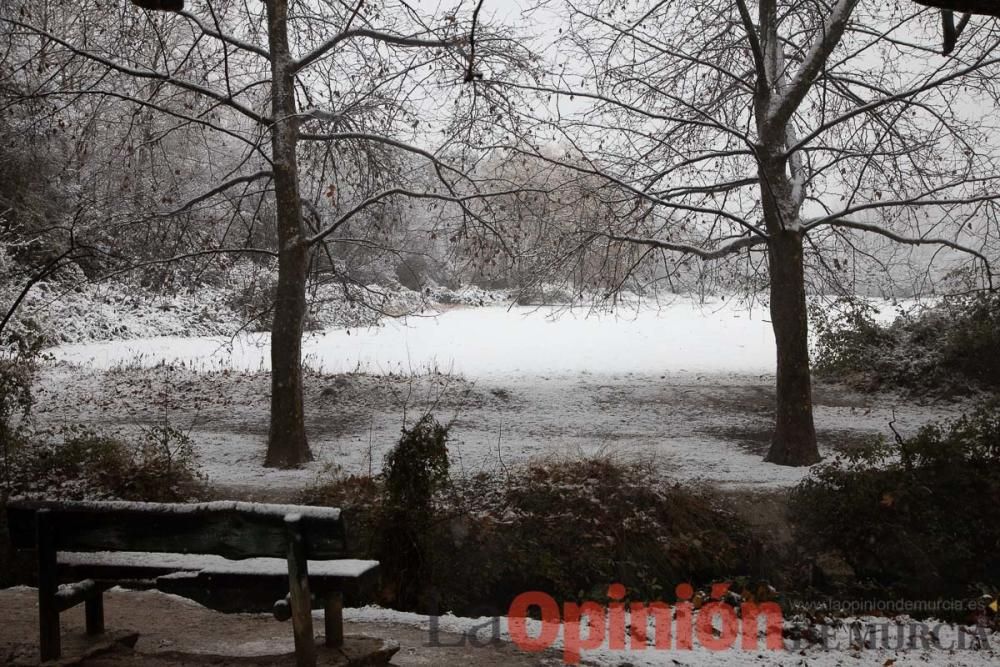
174,632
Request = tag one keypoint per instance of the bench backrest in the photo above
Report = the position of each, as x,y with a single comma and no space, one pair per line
226,528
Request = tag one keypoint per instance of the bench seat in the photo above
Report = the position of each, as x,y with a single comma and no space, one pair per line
248,585
227,555
90,564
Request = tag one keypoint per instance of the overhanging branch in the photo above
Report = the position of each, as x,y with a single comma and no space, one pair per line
385,37
909,240
250,178
684,248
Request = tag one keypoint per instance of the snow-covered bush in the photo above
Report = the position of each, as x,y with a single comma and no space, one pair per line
17,372
917,518
415,471
78,464
952,348
568,527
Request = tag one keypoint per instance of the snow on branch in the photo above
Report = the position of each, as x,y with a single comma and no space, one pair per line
250,178
228,39
906,240
783,106
683,248
388,38
922,200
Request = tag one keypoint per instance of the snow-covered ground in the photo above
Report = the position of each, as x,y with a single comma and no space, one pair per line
493,341
891,642
687,387
176,632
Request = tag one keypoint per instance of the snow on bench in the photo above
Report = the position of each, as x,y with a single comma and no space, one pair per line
211,564
218,550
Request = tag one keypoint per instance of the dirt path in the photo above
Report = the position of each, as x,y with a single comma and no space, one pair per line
171,628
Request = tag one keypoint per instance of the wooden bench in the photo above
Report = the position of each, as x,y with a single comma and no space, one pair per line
214,546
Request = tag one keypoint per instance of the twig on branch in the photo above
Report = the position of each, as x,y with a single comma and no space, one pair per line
385,194
50,268
386,37
250,178
683,248
471,74
907,240
142,73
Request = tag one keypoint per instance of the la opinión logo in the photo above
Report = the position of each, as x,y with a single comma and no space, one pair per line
718,625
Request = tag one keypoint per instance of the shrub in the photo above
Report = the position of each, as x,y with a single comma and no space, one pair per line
17,371
76,463
917,518
569,528
950,349
415,471
252,295
849,340
972,349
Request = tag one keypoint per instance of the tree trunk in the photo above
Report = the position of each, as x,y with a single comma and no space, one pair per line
794,440
287,446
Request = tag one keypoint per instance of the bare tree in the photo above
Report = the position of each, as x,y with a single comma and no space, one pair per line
354,78
776,138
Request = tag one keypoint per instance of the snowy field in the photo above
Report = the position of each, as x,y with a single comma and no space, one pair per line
496,341
687,387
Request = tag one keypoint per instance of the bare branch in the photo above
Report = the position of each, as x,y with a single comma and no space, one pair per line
385,37
755,49
142,73
911,240
250,178
222,37
189,255
729,249
385,194
824,43
898,97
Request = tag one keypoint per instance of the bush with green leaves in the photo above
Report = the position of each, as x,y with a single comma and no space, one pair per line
949,349
917,518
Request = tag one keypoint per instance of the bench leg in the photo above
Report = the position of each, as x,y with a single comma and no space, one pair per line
48,611
298,588
333,618
94,612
